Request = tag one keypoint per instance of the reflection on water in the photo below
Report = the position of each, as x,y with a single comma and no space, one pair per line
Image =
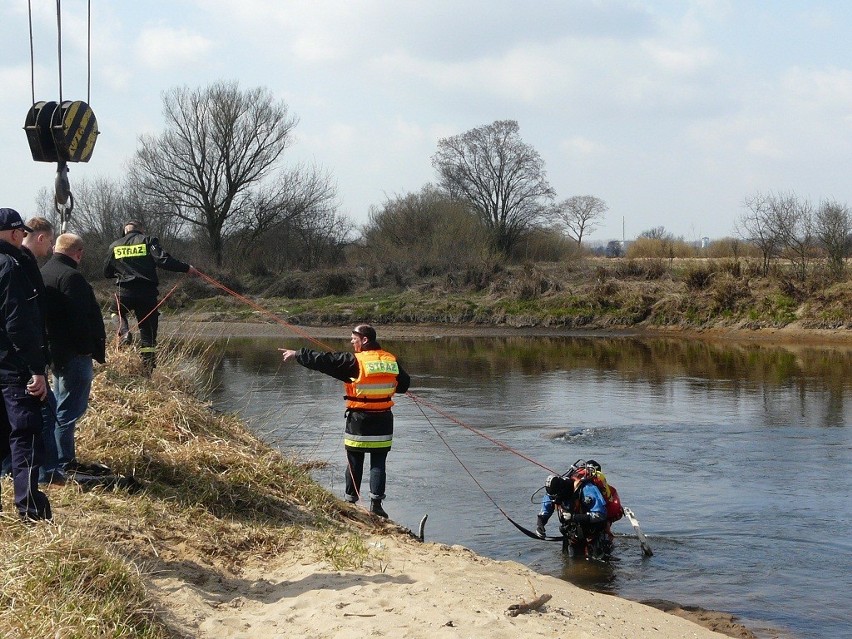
735,458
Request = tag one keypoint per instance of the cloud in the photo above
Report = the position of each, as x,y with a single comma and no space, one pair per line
823,90
582,147
767,147
161,48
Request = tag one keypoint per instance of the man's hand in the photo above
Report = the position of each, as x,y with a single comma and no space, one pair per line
37,387
287,354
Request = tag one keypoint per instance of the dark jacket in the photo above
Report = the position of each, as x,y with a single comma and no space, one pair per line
75,325
30,265
133,262
21,346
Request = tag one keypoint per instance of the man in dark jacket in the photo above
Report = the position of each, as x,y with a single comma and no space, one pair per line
75,331
22,367
371,376
38,245
133,261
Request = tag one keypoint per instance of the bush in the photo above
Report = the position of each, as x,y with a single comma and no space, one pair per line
311,285
727,292
666,248
698,278
640,269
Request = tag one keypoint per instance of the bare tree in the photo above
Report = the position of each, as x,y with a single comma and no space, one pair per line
756,226
501,177
303,192
794,222
213,165
657,233
833,227
580,215
782,224
322,235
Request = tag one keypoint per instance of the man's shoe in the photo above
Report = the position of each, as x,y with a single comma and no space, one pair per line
98,470
349,498
376,508
55,478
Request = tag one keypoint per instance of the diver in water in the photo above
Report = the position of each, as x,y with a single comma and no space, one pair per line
582,512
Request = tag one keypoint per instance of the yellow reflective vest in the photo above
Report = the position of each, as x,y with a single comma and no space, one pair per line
375,385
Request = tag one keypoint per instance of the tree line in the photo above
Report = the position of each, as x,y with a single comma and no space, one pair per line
215,183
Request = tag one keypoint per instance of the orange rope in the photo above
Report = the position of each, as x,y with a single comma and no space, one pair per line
160,303
506,447
417,400
263,311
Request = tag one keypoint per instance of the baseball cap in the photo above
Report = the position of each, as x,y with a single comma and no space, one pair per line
10,219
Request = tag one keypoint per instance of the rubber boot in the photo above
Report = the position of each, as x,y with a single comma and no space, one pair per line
376,508
149,359
539,528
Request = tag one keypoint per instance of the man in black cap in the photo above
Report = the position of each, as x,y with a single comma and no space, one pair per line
22,365
133,261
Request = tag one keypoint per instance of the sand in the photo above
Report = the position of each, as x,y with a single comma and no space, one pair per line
405,589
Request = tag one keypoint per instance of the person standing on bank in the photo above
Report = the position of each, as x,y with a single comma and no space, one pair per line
38,245
76,334
22,370
371,376
133,261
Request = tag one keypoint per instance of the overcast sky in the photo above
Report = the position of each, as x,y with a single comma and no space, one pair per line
671,112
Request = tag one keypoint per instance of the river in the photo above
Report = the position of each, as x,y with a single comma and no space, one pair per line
735,458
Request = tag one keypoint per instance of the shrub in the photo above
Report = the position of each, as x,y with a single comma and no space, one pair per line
698,278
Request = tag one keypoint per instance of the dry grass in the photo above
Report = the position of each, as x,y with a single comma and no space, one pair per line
211,495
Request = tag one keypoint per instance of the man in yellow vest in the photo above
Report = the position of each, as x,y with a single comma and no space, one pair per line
370,376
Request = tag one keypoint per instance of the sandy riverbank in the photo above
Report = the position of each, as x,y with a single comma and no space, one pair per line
409,589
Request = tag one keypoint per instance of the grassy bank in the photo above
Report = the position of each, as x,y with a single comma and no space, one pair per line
588,294
211,495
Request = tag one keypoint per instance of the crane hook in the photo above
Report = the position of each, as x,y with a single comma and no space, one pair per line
63,198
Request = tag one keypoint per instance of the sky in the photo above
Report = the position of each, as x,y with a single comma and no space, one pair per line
672,112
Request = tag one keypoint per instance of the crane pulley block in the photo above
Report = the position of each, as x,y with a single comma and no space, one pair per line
39,135
61,132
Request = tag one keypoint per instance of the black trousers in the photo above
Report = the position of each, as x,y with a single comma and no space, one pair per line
141,304
20,434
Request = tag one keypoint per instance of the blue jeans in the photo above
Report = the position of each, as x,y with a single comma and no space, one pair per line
71,383
49,460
